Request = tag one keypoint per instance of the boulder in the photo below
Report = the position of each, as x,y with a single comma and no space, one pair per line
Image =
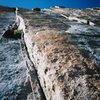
37,9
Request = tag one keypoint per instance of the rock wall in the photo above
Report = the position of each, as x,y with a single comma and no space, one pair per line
37,92
14,80
61,55
65,52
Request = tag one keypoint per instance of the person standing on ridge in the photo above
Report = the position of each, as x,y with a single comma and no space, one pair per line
17,17
16,11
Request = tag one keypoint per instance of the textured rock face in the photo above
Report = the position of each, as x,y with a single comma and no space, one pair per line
63,72
62,55
64,48
14,83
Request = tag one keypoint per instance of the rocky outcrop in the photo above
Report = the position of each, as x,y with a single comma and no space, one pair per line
58,56
14,80
65,52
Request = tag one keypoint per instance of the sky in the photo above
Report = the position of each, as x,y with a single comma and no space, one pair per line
48,3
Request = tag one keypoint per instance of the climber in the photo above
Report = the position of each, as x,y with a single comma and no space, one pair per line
14,26
9,27
16,11
88,22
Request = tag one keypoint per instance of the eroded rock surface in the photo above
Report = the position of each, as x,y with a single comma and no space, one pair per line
14,81
65,50
60,57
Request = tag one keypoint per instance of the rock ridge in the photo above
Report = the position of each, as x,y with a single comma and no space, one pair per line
61,54
66,64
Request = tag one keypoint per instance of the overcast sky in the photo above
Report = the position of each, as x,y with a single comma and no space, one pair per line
48,3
